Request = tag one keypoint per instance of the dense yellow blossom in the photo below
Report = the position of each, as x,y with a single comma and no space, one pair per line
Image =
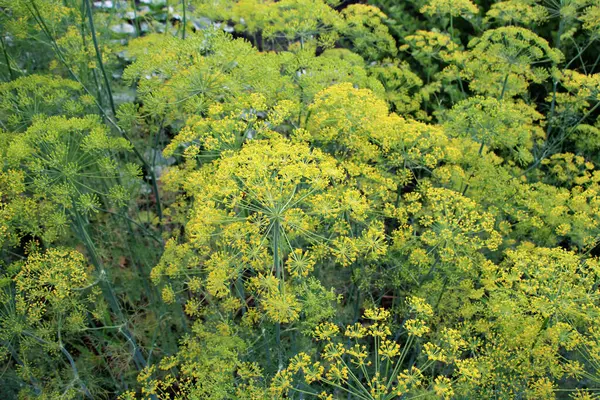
280,199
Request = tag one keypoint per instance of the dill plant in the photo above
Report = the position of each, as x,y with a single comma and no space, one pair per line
299,198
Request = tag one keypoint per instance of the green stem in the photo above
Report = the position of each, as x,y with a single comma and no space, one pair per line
148,288
99,57
69,358
439,300
354,393
6,57
504,84
464,192
76,372
136,23
400,361
83,13
239,288
595,64
304,391
267,350
569,131
276,264
584,48
539,333
107,289
552,107
34,381
129,220
184,19
279,275
153,176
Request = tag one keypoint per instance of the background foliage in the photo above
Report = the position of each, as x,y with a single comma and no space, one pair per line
256,199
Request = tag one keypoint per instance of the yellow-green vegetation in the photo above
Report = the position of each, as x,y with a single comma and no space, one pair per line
295,199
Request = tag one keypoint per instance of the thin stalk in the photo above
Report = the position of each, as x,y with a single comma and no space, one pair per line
276,264
387,367
34,382
153,175
595,64
354,290
555,81
376,355
439,300
129,220
278,274
85,46
107,289
154,335
504,84
66,353
400,361
99,57
267,350
76,372
552,107
304,391
239,288
432,268
118,381
464,192
136,23
184,19
71,362
569,131
539,333
354,393
148,288
182,316
6,57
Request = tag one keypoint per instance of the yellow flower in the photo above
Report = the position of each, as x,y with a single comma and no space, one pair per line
356,331
281,307
168,295
442,387
420,307
300,263
416,327
453,8
377,314
326,331
389,349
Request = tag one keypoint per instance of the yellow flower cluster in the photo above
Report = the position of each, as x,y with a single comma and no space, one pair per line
453,8
377,363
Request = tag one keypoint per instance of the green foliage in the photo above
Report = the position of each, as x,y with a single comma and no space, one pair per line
70,162
37,96
300,198
507,127
45,312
